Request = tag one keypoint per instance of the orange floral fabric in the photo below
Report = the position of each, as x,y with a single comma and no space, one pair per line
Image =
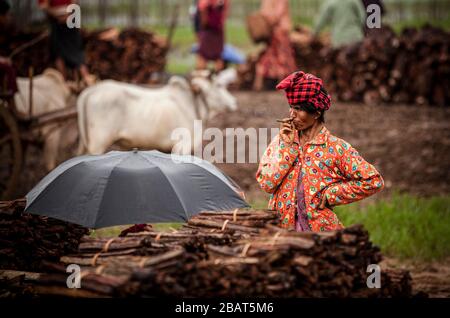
328,165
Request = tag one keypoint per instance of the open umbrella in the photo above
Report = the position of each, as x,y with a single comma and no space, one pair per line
130,187
230,54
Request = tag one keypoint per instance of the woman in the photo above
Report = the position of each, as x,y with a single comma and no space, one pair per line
306,169
278,60
211,34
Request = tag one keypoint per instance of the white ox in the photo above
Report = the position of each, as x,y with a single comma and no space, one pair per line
50,93
132,116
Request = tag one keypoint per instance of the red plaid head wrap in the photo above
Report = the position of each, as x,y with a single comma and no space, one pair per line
303,87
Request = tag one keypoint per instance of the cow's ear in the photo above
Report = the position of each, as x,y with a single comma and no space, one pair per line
178,81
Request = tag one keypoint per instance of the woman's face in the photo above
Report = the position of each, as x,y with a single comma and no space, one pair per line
301,119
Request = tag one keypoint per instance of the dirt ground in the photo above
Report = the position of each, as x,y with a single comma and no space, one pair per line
409,145
432,278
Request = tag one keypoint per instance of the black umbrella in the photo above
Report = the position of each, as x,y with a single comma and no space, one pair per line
132,187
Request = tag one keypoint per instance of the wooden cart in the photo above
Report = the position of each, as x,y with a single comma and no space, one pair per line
16,131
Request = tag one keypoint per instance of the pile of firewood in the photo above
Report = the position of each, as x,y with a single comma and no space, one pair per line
130,55
27,240
230,253
134,55
278,264
413,67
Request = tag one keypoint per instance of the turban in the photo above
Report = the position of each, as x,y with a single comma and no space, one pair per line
303,87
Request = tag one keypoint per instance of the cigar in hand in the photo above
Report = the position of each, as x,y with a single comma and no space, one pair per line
285,120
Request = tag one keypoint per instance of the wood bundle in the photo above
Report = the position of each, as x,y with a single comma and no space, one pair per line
229,253
413,67
130,55
134,56
110,279
98,251
93,284
235,222
26,240
274,264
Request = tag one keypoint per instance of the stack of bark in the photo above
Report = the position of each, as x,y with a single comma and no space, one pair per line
279,264
231,253
238,223
413,67
134,55
27,240
130,55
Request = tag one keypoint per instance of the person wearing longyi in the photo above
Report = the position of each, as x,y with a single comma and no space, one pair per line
66,44
306,169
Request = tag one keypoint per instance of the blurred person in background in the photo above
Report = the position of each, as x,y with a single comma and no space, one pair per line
346,18
211,34
195,18
278,60
66,44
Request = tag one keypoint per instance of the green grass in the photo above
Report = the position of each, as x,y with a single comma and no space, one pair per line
184,37
405,226
179,66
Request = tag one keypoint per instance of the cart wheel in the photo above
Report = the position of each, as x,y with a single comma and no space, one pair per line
11,154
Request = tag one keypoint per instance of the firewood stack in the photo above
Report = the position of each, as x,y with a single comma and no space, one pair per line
279,264
134,56
130,55
413,67
27,240
229,253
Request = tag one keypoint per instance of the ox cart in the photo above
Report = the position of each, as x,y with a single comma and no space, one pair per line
18,131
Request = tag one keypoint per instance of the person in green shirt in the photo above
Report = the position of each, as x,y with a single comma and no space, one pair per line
346,18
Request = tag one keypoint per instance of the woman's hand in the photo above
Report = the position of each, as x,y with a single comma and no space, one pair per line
287,131
324,203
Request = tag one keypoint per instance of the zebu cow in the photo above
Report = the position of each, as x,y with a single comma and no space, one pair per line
50,93
133,116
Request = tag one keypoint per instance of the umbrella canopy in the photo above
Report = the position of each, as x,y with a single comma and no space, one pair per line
230,54
130,187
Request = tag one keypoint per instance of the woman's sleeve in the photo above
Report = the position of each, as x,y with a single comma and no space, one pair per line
361,178
275,164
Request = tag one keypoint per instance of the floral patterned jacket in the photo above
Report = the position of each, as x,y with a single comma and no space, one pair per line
329,166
